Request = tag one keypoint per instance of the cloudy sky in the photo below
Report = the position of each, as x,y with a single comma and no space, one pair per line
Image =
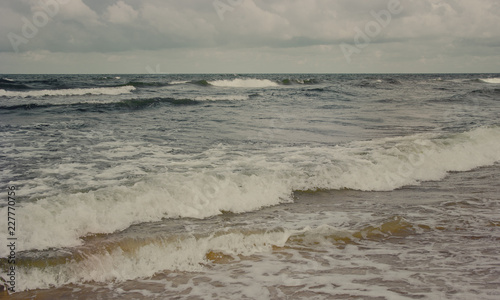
249,36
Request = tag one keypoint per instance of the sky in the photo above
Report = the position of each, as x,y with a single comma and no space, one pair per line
249,36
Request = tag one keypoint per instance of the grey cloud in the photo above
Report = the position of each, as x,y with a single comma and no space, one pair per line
427,28
172,24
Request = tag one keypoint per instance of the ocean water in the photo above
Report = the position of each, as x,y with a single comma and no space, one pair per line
252,186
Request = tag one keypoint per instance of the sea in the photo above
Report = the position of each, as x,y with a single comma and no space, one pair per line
250,186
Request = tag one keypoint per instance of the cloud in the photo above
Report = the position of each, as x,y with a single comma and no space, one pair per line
424,30
76,11
121,13
130,24
179,26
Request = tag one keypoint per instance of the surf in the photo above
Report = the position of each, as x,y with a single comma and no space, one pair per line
490,80
250,181
69,92
128,257
244,83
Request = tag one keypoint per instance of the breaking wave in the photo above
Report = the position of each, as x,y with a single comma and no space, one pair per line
69,92
244,83
251,181
491,80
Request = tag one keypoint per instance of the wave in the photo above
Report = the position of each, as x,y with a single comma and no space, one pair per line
114,260
145,84
299,81
200,82
244,83
148,102
252,82
139,103
108,77
251,181
486,92
179,82
490,80
31,84
383,83
391,81
223,98
69,92
11,84
316,90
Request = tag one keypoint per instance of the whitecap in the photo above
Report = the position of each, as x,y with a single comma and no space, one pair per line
268,179
490,80
69,92
244,83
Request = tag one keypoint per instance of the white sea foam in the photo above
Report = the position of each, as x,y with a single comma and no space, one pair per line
391,163
244,83
184,253
491,80
250,181
70,92
196,195
275,256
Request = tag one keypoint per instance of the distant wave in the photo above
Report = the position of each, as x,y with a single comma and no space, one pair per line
252,82
378,83
69,92
31,84
145,83
222,98
244,83
11,84
148,102
179,82
200,82
109,77
316,90
139,103
122,104
290,81
491,80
